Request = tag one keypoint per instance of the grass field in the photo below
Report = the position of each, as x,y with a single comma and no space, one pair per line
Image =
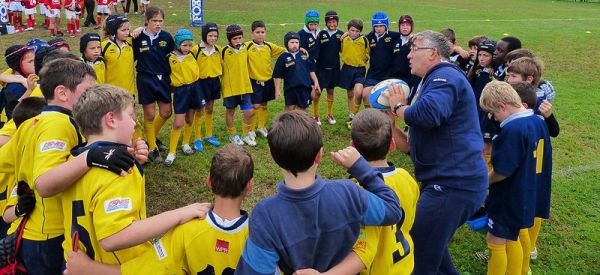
565,35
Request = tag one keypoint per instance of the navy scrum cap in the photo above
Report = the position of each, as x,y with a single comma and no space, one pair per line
289,36
209,27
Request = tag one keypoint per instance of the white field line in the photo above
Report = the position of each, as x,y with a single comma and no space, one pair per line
462,20
570,170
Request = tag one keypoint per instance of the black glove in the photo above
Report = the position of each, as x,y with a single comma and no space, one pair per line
26,201
111,157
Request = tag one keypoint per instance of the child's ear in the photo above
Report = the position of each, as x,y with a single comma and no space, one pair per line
392,145
319,156
529,79
208,181
60,93
109,120
525,105
248,189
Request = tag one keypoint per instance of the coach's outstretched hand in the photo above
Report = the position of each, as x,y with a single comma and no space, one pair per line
346,157
115,158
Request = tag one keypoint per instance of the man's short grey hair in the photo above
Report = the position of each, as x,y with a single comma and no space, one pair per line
437,40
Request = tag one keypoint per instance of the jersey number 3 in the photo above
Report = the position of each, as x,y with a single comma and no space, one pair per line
397,255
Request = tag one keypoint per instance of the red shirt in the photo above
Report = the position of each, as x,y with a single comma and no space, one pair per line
103,2
30,4
52,4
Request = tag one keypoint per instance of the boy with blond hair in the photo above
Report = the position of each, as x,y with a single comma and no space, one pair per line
517,156
108,211
184,247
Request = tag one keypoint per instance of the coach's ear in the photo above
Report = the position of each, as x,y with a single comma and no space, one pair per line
319,156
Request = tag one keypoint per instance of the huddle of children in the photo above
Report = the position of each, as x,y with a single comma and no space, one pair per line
109,218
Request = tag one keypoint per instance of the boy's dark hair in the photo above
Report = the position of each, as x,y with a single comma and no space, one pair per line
294,141
526,92
513,43
153,11
230,170
518,53
27,108
476,40
372,134
54,55
357,23
63,71
449,34
257,24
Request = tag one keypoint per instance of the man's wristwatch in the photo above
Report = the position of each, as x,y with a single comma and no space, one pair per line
397,106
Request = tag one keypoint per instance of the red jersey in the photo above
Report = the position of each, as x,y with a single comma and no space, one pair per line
103,2
52,4
30,4
70,4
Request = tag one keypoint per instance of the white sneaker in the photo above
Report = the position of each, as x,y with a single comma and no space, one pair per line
331,120
533,254
170,159
248,139
252,134
318,120
263,132
236,139
187,149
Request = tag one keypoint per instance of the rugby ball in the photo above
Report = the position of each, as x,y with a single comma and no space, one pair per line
376,97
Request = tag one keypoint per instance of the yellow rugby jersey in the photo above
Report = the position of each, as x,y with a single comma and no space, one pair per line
235,80
40,144
354,51
119,60
183,71
12,199
6,72
390,249
8,129
100,204
209,63
260,59
99,67
5,182
196,247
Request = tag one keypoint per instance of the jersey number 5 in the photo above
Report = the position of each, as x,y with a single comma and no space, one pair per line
84,236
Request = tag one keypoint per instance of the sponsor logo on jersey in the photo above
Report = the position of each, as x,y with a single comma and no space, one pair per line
162,43
222,246
117,204
440,80
159,248
53,145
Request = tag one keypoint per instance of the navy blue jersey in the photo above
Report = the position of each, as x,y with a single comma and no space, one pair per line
151,53
460,62
517,153
543,170
382,55
482,77
401,67
329,49
295,70
11,93
310,43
